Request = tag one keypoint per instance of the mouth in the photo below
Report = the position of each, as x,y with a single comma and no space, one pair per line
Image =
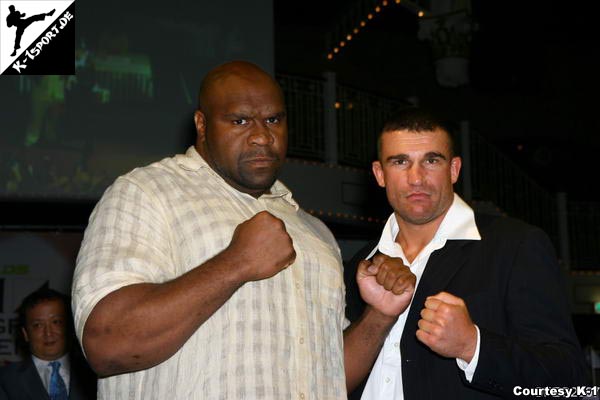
260,160
418,196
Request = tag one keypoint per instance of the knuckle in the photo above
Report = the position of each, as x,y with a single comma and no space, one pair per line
444,309
380,257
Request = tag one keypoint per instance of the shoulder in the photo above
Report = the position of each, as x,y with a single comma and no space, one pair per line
147,183
317,226
11,370
505,228
164,170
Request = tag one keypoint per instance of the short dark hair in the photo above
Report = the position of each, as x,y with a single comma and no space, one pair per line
415,119
39,296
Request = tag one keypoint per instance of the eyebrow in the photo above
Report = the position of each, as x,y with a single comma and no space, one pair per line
435,154
237,115
402,157
395,157
281,114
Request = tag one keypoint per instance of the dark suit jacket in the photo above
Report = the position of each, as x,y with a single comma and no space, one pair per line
21,381
513,288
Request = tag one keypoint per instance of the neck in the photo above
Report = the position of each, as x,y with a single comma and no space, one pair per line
414,237
205,154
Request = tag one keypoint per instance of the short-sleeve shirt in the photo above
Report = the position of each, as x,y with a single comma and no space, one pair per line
277,338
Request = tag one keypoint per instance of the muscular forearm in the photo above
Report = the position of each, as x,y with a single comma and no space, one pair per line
362,342
141,325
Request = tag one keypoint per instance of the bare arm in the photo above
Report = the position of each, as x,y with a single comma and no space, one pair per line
362,342
387,286
141,325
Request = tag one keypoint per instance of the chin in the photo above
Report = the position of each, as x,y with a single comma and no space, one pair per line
261,184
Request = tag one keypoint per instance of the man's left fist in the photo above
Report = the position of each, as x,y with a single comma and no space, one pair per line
446,327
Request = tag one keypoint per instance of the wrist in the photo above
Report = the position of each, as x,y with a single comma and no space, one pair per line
470,347
377,316
236,268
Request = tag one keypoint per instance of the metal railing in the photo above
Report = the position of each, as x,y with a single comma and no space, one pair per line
360,116
584,232
305,122
496,178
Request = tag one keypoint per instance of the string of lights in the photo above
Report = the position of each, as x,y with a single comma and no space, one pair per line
345,216
360,24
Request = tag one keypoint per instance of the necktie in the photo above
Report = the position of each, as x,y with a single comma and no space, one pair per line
57,389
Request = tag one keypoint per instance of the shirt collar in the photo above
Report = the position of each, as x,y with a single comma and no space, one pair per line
193,161
40,364
458,224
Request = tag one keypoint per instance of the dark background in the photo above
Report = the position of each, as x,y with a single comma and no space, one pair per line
533,69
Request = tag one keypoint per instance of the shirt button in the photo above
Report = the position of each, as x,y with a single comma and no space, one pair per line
396,344
301,340
387,380
297,285
302,395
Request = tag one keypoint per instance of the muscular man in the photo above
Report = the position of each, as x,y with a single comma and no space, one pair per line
199,276
489,311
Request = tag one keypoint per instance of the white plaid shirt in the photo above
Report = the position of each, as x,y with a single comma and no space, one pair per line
278,338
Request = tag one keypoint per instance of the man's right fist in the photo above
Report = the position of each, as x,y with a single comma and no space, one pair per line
261,246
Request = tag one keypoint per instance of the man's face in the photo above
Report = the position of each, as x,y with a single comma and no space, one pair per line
45,330
242,132
417,172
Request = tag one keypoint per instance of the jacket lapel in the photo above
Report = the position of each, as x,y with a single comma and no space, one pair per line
443,264
32,383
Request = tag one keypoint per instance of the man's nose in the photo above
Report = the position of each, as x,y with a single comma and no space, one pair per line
261,135
415,175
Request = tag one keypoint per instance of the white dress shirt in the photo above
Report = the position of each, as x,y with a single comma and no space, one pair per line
385,380
45,370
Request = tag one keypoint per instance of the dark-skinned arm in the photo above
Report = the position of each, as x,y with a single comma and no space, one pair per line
141,325
387,286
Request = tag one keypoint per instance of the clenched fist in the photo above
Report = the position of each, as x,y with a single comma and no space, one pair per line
261,246
446,327
386,284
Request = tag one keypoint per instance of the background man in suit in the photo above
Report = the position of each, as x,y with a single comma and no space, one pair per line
51,371
488,312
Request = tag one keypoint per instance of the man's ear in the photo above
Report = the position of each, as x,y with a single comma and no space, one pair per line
200,122
455,165
25,336
378,172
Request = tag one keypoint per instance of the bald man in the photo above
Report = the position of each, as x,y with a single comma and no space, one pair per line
199,277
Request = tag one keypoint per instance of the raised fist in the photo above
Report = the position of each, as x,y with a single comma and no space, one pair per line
386,284
261,247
